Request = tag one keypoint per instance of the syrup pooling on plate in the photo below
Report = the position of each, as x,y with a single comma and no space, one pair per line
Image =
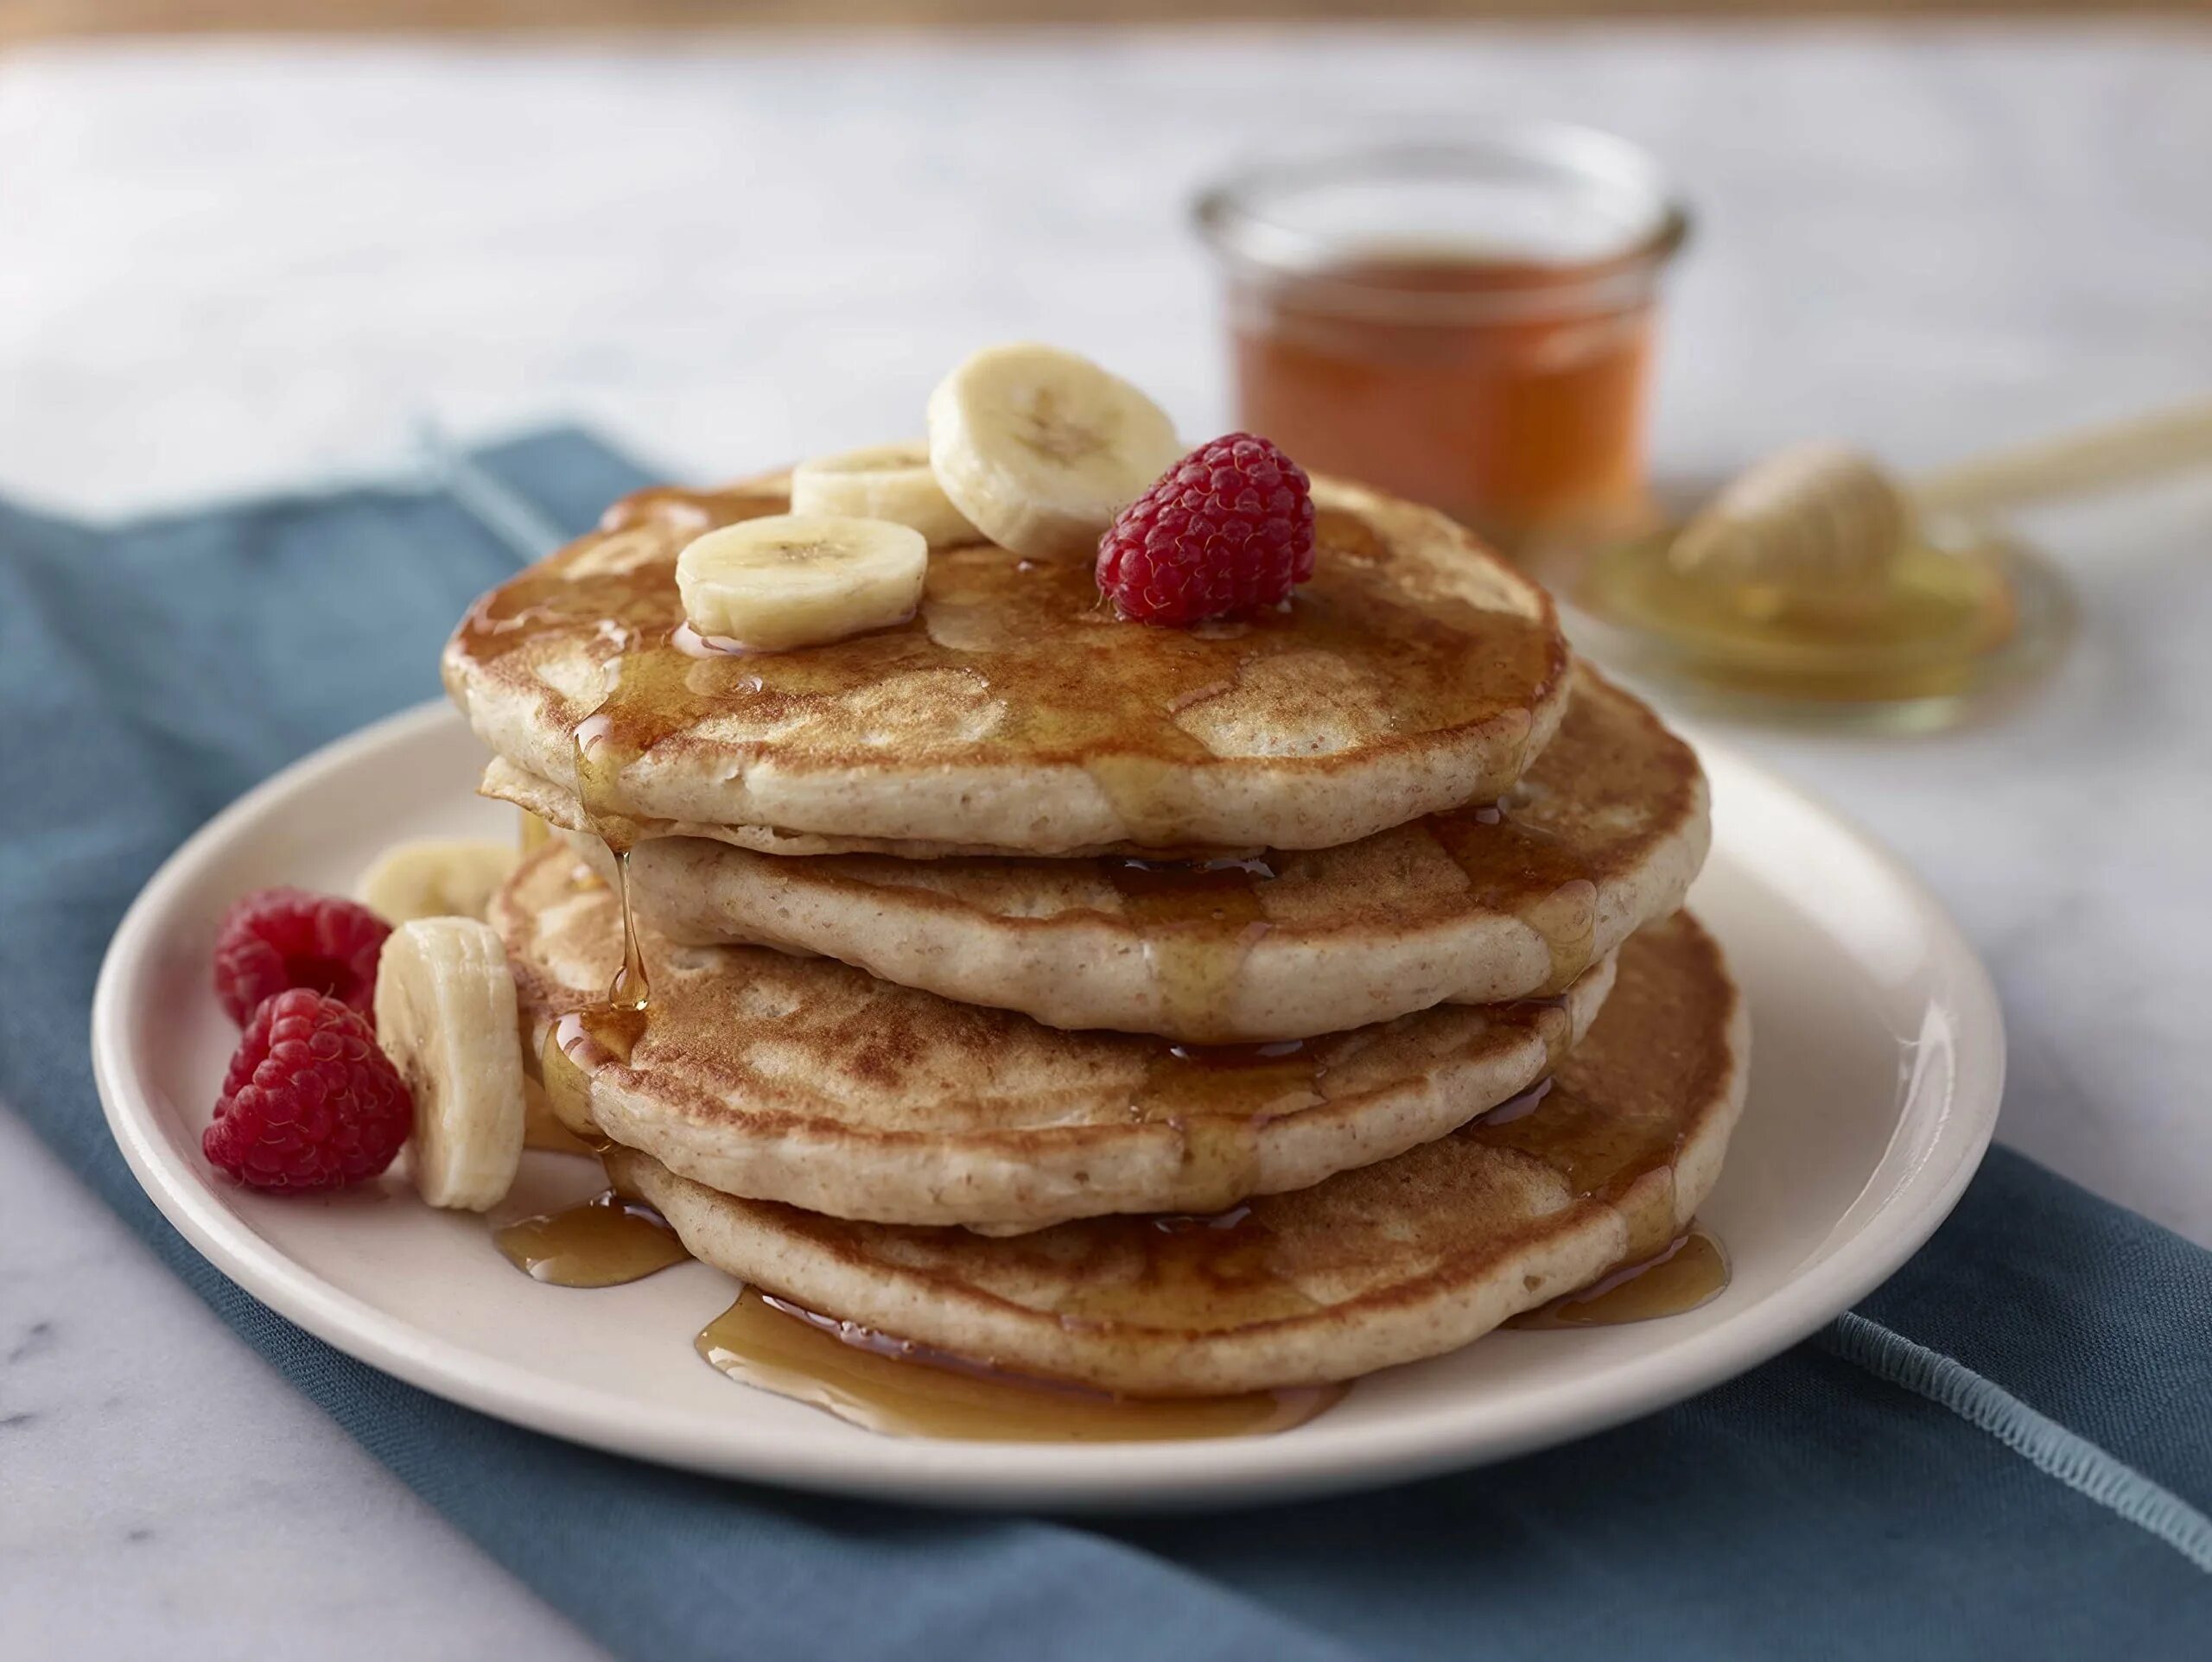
1196,1271
889,1385
1192,1273
1016,657
1689,1272
605,1241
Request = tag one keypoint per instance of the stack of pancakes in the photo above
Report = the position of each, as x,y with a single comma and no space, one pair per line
1167,1010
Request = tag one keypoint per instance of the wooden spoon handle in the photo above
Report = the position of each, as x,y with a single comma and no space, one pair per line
2097,458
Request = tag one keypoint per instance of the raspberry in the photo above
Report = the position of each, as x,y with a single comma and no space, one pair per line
281,938
310,1101
1227,530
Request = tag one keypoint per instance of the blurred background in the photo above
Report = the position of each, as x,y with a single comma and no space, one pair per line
255,245
27,18
246,243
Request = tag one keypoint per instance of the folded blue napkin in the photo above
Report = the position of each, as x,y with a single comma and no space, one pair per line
2006,1452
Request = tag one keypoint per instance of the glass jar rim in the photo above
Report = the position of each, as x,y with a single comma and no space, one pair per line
1231,218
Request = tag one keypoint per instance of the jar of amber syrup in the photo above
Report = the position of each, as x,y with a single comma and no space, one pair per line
1468,325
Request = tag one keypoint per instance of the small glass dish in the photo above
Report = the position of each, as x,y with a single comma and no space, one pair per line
1470,324
1971,612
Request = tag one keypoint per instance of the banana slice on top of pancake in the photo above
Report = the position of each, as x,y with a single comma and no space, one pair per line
884,481
788,580
1039,448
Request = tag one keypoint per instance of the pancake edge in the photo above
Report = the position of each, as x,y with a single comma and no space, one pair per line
1296,802
1428,1315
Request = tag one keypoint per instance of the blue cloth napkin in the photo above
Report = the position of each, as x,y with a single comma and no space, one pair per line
2007,1451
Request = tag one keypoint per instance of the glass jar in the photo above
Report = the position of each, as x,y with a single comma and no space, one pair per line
1468,325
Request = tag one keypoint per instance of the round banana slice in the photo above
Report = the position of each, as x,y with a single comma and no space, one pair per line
435,877
885,481
446,1016
801,579
1040,448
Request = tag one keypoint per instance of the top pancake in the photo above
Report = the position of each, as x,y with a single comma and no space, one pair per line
1414,673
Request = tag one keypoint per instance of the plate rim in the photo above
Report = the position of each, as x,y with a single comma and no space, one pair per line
1065,1476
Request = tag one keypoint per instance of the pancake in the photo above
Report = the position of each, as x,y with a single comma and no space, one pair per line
804,1081
1414,673
1474,907
1386,1264
505,781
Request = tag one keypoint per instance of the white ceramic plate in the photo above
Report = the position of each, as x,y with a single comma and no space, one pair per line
1879,1054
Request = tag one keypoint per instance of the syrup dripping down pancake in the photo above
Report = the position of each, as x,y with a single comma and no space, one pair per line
1013,713
1386,1263
1475,905
806,1081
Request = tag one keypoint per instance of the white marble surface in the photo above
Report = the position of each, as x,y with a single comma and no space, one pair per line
242,265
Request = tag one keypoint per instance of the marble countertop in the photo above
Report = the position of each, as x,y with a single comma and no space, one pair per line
241,265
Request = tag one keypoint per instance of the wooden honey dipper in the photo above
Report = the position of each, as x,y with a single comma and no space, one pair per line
1815,529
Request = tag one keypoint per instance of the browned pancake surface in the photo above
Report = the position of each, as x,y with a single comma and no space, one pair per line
1475,905
1014,704
803,1080
1381,1265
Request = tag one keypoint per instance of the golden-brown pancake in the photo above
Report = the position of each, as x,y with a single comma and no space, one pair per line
806,1081
1382,1265
1475,905
1414,672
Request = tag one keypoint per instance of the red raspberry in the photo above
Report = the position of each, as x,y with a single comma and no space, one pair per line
280,938
1227,530
310,1101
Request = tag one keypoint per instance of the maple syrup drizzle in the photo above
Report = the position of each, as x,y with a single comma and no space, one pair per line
1067,697
1689,1272
1195,1273
1025,645
1514,867
576,1046
1218,1098
605,1241
1200,920
892,1386
676,507
544,1130
1622,1159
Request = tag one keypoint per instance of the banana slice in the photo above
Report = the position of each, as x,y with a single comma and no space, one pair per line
801,579
446,1016
885,481
437,877
1041,449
